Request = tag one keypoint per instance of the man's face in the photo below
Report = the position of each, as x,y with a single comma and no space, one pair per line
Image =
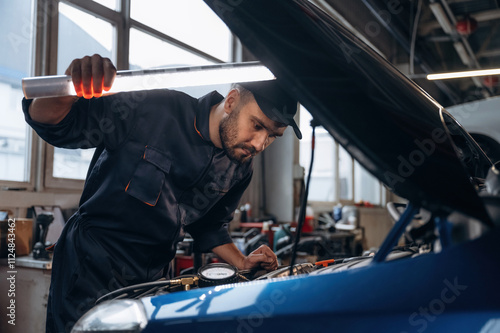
247,131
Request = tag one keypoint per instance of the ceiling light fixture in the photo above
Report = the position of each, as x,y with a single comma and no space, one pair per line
442,18
135,80
457,75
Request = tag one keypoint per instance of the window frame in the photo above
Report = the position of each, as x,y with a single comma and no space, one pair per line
46,64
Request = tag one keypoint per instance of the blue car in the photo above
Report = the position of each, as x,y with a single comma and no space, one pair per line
447,281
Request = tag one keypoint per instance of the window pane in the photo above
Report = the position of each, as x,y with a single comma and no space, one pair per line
345,174
322,186
148,52
367,187
80,34
71,163
112,4
190,21
16,24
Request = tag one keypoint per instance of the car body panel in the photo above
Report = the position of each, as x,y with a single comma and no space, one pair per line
454,290
384,120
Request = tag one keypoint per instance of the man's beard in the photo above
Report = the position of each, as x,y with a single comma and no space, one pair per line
228,131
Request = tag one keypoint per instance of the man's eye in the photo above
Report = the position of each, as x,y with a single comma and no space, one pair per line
258,127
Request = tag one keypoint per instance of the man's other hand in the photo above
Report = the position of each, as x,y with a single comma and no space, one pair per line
92,75
263,257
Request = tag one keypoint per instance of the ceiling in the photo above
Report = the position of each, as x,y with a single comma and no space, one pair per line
421,37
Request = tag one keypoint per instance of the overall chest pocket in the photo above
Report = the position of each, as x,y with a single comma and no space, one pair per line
149,176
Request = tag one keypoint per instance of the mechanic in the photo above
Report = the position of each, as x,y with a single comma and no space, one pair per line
165,164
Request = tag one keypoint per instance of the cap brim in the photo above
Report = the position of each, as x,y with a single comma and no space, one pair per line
296,129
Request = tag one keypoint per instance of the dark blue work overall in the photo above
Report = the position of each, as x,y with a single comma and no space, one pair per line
155,175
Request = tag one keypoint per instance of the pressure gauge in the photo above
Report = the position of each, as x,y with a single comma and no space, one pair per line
217,274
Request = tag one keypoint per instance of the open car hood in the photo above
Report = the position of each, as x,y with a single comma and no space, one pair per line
384,120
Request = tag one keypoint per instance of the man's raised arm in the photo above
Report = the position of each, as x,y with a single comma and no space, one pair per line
91,76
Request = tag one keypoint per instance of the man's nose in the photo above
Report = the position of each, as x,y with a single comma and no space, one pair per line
259,142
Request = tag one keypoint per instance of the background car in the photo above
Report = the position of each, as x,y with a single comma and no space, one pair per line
481,119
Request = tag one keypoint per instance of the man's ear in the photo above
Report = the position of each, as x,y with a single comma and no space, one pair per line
232,100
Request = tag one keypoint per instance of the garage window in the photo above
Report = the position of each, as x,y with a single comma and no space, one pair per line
189,21
336,176
15,63
133,34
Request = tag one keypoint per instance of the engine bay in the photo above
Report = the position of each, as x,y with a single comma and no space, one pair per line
220,273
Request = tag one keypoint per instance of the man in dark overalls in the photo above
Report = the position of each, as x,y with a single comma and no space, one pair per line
165,164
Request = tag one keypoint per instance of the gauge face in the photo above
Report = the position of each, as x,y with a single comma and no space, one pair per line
218,272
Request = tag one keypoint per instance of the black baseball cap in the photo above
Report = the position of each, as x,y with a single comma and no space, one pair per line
275,102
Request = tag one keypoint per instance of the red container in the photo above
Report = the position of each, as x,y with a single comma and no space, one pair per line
308,225
181,263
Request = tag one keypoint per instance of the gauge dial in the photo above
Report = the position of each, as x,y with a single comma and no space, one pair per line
217,274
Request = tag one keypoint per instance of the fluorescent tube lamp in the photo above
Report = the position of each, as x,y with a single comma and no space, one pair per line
134,80
457,75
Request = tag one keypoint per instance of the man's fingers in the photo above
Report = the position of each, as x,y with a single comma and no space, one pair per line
97,75
257,258
260,259
267,260
266,251
109,74
270,267
75,71
86,65
270,264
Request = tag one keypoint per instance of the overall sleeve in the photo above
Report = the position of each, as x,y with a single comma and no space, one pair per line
91,122
211,230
